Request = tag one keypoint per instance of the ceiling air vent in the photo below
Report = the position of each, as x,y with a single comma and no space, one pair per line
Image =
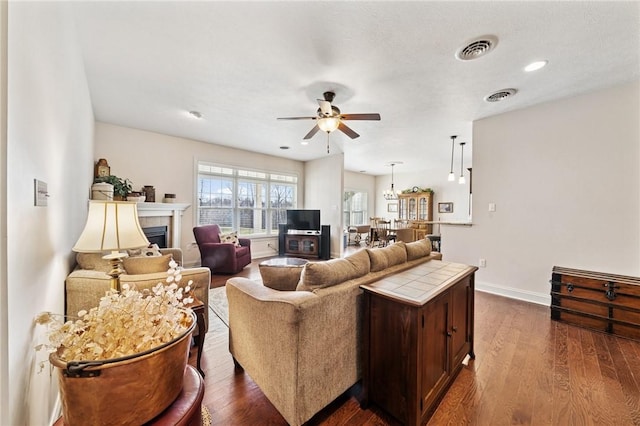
477,48
500,95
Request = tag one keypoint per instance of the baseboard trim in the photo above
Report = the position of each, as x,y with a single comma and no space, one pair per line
514,293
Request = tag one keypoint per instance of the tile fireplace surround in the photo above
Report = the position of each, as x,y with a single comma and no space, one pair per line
164,214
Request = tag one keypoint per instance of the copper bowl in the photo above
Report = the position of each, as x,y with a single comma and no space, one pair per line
127,390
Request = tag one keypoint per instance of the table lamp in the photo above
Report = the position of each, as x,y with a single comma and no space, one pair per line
112,226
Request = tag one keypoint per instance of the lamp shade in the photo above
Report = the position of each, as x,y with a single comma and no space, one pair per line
111,225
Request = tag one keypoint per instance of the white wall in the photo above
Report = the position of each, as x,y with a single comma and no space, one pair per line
50,129
565,179
324,186
168,163
4,329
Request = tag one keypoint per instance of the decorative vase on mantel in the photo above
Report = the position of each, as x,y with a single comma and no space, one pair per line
150,193
129,390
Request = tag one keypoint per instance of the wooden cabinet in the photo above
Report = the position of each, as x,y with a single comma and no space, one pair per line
302,245
598,301
413,352
417,207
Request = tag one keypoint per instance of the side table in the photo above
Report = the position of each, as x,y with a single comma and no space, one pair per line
197,306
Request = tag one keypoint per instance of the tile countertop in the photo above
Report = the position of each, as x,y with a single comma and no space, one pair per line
418,285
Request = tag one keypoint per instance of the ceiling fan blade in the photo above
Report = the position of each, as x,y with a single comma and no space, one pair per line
347,131
371,116
297,118
312,132
325,107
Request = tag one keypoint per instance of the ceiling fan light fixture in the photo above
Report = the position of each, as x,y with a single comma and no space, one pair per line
328,124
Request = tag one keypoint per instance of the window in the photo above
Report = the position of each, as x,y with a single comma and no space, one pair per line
355,208
249,201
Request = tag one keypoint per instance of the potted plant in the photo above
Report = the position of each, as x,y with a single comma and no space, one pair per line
121,187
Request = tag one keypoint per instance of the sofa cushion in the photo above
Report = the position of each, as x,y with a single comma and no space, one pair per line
335,271
242,251
418,249
382,258
93,262
231,237
151,250
147,265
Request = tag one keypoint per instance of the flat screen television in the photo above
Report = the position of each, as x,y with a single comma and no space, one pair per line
303,220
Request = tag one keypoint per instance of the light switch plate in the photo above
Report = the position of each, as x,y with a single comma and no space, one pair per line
40,193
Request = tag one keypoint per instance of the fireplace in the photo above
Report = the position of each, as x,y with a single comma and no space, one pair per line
168,215
157,235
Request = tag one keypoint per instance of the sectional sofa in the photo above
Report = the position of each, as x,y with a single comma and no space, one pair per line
302,346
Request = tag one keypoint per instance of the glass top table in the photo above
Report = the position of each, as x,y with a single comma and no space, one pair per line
284,262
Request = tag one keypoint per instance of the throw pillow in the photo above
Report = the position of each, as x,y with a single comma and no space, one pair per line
335,271
151,250
230,238
93,262
147,265
417,249
382,258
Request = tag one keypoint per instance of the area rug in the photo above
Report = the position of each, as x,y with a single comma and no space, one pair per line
218,304
206,416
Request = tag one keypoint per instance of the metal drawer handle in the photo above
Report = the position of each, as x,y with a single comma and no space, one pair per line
611,292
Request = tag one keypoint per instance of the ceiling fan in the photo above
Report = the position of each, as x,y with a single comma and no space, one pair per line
330,118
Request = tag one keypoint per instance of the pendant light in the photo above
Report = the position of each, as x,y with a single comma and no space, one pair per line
391,194
452,177
462,180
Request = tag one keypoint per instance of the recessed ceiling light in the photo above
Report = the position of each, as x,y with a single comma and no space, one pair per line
195,114
304,143
535,66
284,147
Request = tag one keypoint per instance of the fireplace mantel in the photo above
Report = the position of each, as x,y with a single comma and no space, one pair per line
173,211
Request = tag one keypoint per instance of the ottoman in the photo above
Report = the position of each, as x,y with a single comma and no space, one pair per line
282,273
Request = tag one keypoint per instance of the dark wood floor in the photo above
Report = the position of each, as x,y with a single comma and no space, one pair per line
528,370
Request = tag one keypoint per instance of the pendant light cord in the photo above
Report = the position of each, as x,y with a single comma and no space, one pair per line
453,142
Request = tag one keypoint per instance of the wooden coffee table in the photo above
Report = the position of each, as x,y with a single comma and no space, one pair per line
282,273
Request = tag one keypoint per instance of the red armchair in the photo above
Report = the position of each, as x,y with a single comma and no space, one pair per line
223,258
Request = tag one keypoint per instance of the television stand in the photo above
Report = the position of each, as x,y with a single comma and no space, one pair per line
304,243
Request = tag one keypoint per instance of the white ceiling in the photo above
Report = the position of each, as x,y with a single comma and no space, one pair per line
243,64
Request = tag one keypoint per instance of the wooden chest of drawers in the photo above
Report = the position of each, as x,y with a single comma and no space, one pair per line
595,300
